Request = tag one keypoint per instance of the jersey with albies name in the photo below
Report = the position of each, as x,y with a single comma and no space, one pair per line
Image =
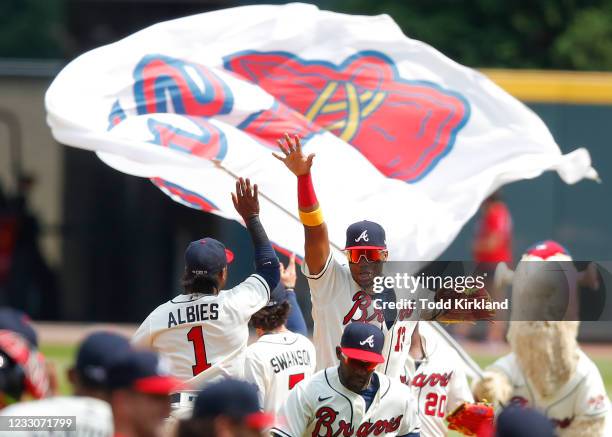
204,337
93,417
276,363
583,396
439,383
337,301
323,406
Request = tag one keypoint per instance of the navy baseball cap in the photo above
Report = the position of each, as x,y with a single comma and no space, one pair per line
362,341
19,322
365,235
97,353
233,398
278,296
517,421
207,256
145,372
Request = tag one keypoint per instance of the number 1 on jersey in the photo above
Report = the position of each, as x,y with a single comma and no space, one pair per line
196,336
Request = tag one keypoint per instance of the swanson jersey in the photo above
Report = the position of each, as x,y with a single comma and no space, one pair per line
204,337
276,363
583,396
439,384
337,300
94,417
323,406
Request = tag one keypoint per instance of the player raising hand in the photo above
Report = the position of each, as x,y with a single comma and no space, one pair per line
204,331
344,293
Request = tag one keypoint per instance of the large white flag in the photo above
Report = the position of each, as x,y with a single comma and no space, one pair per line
403,135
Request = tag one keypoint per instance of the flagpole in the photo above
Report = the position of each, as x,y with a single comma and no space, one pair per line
217,164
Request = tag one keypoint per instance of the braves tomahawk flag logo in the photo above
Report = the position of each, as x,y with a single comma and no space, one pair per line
369,341
403,127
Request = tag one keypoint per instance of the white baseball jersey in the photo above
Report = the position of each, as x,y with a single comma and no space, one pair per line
94,417
276,363
583,396
204,337
337,300
439,384
323,406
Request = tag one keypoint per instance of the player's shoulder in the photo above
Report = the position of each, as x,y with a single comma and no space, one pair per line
253,281
333,264
176,300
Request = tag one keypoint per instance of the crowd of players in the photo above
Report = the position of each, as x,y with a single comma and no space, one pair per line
189,370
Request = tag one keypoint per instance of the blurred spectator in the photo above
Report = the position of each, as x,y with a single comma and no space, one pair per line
227,408
493,241
25,277
141,385
492,245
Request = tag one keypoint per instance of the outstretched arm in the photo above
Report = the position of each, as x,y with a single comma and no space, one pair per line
246,202
316,245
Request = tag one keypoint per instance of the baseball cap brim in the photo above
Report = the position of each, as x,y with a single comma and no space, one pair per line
259,420
158,385
366,247
361,355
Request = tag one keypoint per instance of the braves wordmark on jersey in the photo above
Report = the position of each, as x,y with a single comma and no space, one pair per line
584,395
203,336
276,363
322,406
439,383
338,300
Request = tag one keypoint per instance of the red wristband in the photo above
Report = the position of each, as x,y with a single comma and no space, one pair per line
307,198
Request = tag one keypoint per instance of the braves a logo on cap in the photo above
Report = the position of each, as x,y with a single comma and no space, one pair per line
404,127
362,237
369,341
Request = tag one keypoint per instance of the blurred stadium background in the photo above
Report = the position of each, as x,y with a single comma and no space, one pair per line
84,243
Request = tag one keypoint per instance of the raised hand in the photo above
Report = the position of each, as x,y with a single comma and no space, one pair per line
288,277
245,199
293,157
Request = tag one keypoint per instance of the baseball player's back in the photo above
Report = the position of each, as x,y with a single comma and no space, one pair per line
205,336
204,331
276,363
437,382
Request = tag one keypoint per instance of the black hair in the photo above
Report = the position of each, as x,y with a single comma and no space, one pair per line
270,318
206,284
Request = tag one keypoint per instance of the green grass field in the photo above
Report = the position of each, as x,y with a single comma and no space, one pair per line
63,357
